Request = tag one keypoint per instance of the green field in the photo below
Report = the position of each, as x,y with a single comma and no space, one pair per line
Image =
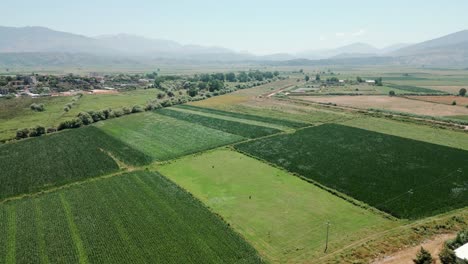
164,138
407,178
265,119
414,89
138,217
16,113
445,137
237,128
41,163
282,216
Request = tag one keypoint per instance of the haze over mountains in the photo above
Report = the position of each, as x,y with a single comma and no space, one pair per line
42,45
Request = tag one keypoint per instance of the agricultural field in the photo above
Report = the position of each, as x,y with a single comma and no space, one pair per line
41,163
413,89
162,138
139,217
264,119
233,127
282,216
406,178
448,100
398,104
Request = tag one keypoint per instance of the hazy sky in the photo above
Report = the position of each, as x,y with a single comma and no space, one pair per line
258,26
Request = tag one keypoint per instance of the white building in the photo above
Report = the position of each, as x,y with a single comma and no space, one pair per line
462,252
370,81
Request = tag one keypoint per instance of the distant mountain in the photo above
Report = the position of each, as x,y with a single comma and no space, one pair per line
457,41
352,50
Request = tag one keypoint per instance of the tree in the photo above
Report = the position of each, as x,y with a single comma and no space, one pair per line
215,85
22,133
379,82
454,103
317,77
359,79
37,131
243,77
462,92
231,77
85,118
137,109
447,256
192,92
423,257
391,93
37,107
307,78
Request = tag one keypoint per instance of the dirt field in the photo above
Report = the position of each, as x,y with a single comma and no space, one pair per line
391,103
449,89
98,91
461,101
434,246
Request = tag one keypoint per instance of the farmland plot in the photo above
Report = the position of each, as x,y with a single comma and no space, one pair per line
40,163
241,129
265,119
407,178
163,137
281,215
139,217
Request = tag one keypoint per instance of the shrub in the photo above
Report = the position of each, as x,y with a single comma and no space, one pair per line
37,107
447,256
74,123
118,113
462,92
166,103
22,133
126,110
137,109
51,130
454,103
108,113
423,257
86,118
97,115
391,93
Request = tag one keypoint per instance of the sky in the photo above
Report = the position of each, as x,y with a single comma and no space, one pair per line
256,26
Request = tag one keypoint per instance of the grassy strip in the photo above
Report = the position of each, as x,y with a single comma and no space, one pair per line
265,119
414,89
241,129
407,178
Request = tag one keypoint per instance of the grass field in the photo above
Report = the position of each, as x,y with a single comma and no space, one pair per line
237,128
163,137
413,89
139,217
41,163
16,113
265,119
444,137
281,215
407,178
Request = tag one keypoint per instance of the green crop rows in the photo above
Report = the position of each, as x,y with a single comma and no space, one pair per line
241,129
414,89
163,137
407,178
139,217
265,119
40,163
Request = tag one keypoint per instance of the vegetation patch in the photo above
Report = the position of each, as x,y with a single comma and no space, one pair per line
89,223
282,216
237,128
414,89
164,138
407,178
37,164
276,121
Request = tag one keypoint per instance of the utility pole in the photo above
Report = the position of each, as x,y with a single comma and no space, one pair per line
326,243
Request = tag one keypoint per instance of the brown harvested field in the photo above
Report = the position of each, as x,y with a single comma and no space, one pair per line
434,246
398,104
448,89
461,101
101,91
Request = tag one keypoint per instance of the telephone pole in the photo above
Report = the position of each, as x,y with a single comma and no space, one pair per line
326,243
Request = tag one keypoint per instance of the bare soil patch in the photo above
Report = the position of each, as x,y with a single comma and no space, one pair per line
449,89
434,246
100,91
461,101
391,103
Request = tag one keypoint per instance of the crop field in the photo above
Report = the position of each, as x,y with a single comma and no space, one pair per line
407,178
237,128
448,100
40,163
265,119
162,137
139,217
413,89
282,216
444,137
397,104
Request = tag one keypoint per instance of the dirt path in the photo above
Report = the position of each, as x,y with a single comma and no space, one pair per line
406,255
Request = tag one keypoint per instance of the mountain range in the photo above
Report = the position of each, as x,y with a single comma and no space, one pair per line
45,46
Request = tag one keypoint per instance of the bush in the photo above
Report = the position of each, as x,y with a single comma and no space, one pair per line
37,107
108,113
454,103
391,93
462,92
86,118
447,256
137,109
37,131
118,113
126,111
74,123
423,257
166,103
97,115
22,133
51,130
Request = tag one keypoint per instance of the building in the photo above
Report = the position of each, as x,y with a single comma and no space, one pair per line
370,82
462,252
